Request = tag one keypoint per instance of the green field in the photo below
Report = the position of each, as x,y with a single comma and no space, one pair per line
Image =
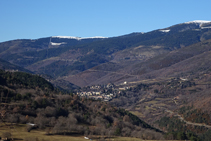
19,133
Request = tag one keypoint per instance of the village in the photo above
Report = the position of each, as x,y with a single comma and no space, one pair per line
101,92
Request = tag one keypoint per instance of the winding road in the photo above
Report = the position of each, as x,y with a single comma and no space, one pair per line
187,122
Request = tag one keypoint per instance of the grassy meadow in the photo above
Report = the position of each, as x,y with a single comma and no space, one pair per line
19,132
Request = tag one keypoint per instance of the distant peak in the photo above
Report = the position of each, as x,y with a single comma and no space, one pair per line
78,38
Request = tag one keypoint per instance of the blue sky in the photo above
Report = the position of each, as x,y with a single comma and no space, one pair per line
31,19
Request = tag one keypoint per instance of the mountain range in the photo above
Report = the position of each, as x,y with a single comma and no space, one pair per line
99,60
165,73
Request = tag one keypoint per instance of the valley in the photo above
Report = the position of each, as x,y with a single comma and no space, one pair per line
153,85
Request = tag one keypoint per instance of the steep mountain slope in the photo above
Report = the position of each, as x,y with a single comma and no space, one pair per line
130,64
4,65
188,59
25,52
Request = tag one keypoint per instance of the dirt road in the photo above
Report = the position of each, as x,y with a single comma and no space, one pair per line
187,122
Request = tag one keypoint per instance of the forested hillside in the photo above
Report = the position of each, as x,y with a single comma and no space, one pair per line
27,98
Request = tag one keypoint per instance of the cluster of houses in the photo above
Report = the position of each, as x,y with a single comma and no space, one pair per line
102,92
96,95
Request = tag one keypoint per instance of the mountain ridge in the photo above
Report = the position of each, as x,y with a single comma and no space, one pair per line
156,75
69,56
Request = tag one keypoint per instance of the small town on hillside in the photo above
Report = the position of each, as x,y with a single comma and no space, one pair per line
102,92
110,91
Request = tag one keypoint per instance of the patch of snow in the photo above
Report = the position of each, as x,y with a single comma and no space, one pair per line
57,44
200,22
94,37
66,37
78,38
166,30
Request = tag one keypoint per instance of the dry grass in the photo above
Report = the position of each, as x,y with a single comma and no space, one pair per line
150,108
160,105
151,102
158,99
137,113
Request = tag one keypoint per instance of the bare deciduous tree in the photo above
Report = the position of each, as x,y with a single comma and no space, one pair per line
41,121
126,132
50,111
6,135
126,118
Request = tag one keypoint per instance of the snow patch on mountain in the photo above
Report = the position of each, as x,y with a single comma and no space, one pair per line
200,22
78,38
165,30
66,37
57,44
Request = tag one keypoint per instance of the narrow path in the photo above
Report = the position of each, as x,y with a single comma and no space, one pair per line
188,122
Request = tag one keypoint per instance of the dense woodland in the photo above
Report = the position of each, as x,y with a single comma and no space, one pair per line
180,131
